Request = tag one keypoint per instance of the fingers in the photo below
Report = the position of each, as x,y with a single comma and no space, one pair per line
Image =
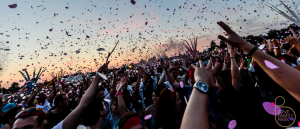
225,27
194,66
201,64
215,68
209,65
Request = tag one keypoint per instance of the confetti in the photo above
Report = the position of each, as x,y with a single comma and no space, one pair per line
12,6
270,108
270,65
232,124
148,117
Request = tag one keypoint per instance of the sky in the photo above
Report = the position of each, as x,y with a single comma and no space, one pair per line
68,34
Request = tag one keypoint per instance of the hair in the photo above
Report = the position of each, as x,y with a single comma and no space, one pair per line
58,98
100,88
92,114
126,117
11,113
171,69
294,51
166,110
39,119
157,91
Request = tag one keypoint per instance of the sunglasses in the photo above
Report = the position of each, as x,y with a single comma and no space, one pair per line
31,111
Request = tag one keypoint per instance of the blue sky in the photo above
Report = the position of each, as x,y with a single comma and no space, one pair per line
26,27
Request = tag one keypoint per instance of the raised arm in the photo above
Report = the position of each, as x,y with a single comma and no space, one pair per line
171,80
32,97
196,114
236,78
72,120
276,47
113,90
53,94
285,75
121,104
161,80
135,92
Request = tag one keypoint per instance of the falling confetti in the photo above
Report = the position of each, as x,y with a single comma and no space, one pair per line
12,5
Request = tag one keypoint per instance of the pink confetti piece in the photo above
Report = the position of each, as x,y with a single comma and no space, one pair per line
36,97
41,104
283,61
270,108
299,123
232,124
148,117
181,84
270,65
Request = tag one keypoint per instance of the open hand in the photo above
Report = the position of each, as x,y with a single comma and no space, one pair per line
234,39
204,74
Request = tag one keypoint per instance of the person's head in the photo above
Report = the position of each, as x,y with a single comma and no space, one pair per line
70,95
169,103
100,92
9,116
191,77
61,100
174,72
42,97
155,96
93,112
32,118
114,106
130,120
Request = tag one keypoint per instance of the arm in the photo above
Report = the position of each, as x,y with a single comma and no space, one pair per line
196,114
186,70
112,91
161,80
276,47
171,80
53,94
226,62
80,93
236,79
280,75
31,99
121,106
135,93
72,120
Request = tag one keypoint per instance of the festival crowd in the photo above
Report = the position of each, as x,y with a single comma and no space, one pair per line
234,85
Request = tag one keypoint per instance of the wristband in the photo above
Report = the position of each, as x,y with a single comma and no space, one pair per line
251,52
275,47
119,93
232,57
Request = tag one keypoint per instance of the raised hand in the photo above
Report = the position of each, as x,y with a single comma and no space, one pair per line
204,74
294,34
230,50
292,40
242,65
234,39
165,65
121,83
104,68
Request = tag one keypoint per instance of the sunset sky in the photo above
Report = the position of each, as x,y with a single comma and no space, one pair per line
47,33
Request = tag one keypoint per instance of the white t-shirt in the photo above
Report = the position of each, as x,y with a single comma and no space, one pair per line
45,107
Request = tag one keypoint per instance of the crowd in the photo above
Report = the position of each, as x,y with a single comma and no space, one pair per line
236,85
